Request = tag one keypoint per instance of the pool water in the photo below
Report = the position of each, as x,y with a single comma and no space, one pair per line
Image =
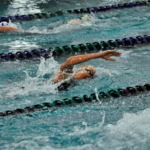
121,124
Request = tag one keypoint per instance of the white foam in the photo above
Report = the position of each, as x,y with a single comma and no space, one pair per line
35,30
12,24
48,66
34,85
27,143
131,131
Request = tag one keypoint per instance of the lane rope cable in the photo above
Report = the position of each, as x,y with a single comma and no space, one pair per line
102,96
28,17
87,47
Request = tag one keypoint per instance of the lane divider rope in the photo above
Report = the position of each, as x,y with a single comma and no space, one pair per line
103,96
42,15
87,47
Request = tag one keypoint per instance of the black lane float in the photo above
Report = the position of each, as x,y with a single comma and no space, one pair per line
87,47
94,97
28,17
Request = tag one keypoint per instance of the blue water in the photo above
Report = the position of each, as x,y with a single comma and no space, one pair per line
120,124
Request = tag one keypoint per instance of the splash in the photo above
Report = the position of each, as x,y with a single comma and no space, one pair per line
48,66
38,83
55,28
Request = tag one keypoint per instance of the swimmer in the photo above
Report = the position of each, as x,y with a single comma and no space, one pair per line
86,71
6,27
68,77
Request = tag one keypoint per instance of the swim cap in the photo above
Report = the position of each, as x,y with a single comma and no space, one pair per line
88,68
3,23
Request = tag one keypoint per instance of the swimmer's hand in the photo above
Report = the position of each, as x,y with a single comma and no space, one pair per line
107,55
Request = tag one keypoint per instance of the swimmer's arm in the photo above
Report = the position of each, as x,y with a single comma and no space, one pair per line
82,58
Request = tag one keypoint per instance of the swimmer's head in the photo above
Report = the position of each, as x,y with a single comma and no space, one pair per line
91,70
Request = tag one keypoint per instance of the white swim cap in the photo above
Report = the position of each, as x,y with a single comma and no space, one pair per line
4,24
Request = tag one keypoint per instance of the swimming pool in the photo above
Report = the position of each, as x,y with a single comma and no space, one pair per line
121,123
